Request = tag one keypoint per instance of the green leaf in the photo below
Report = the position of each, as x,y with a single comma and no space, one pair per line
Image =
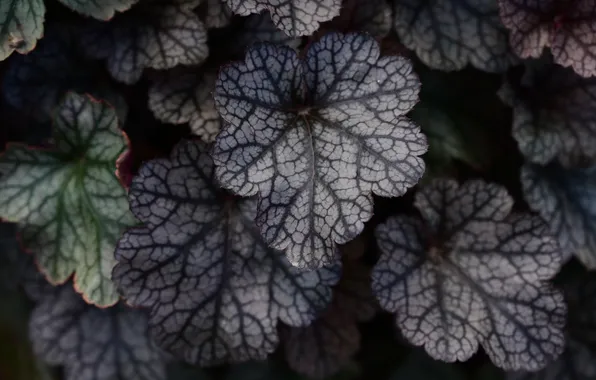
68,203
99,9
21,25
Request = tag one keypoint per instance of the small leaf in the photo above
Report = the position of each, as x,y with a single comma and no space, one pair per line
214,289
294,17
467,273
158,34
326,346
450,34
99,9
22,25
185,96
314,138
567,27
68,204
565,199
93,343
554,113
38,81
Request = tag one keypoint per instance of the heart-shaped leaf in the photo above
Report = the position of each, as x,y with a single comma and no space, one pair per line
314,138
22,25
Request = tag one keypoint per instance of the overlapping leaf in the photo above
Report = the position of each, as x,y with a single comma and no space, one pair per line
21,25
450,34
568,27
578,361
565,199
314,138
36,82
370,16
158,34
294,17
554,114
93,343
215,13
99,9
68,204
467,273
326,346
185,96
214,289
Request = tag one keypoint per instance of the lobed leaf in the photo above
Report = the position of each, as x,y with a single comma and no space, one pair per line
554,114
314,138
66,201
294,17
93,343
186,97
467,273
567,27
99,9
158,34
214,289
450,34
564,198
22,25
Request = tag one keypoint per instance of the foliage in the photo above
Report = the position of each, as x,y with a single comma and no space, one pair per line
297,189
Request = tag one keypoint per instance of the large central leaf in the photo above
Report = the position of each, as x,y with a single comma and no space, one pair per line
467,273
214,288
315,137
68,203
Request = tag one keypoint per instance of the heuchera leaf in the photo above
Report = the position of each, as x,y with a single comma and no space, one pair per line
578,361
215,13
68,204
294,17
467,273
568,27
326,346
565,199
93,343
260,28
370,16
214,289
38,81
158,34
450,34
21,25
99,9
185,96
554,114
314,138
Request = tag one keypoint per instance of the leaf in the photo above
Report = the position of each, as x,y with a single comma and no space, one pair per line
370,16
450,34
66,200
215,13
564,198
259,28
22,25
93,343
294,17
37,82
185,96
158,34
326,346
578,361
554,114
314,138
567,27
467,273
214,289
99,9
419,366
